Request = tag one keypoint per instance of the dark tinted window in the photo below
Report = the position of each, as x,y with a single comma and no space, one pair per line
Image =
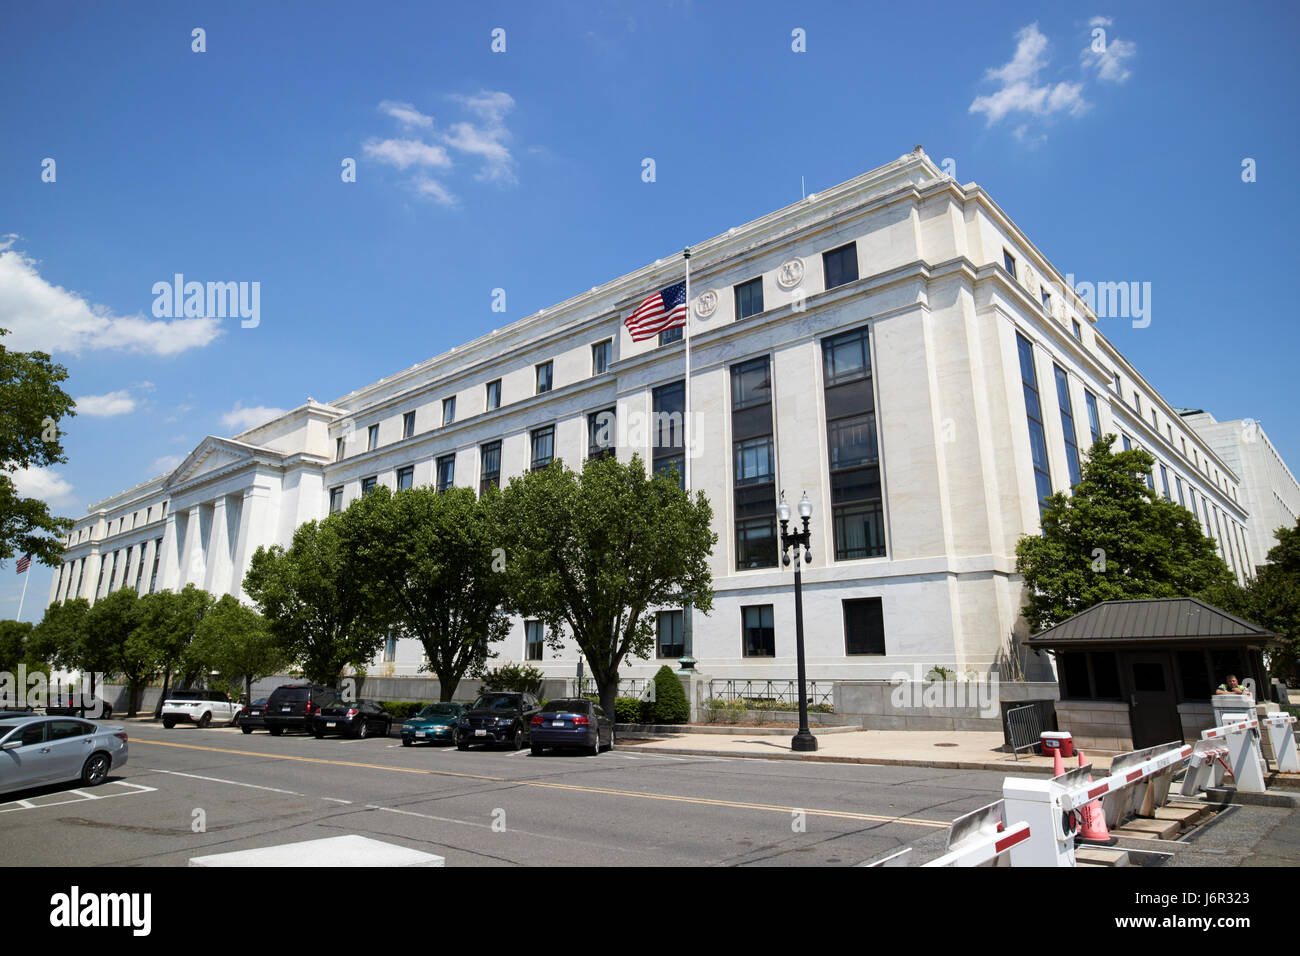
864,626
582,706
1073,669
841,265
63,729
498,702
1105,675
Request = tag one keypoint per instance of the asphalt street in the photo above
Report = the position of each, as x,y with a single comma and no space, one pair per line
188,792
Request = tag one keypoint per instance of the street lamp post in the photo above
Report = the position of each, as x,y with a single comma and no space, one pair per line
801,543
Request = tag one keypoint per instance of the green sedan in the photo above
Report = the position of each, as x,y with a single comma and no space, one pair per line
436,723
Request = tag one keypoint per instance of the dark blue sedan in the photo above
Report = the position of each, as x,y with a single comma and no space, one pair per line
576,723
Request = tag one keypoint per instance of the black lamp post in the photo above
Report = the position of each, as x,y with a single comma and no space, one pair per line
801,543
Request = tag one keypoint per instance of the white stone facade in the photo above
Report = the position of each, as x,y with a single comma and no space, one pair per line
942,309
1269,490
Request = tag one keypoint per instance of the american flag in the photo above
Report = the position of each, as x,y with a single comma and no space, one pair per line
661,310
24,563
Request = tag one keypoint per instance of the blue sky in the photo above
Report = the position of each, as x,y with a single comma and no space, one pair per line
521,170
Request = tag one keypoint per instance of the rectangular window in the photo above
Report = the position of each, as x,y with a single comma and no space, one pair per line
760,635
336,500
139,570
857,514
1009,261
864,626
446,466
671,641
544,377
405,477
1094,419
669,336
1076,329
600,353
372,438
749,298
1047,299
543,447
754,477
841,265
368,484
1164,477
1118,391
602,434
1067,423
1034,414
338,449
126,567
533,640
408,425
153,577
1178,486
449,410
489,466
494,394
390,648
667,433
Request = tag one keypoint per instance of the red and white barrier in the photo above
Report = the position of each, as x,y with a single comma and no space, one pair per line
1206,769
1281,733
1241,736
982,838
1051,807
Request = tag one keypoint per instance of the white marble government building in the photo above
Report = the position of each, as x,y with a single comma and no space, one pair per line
894,346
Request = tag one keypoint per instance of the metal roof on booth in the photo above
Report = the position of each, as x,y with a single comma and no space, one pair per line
1153,620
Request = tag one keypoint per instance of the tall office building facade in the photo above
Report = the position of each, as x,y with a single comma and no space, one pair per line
895,347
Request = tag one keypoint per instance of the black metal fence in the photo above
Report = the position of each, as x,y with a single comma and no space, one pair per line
773,691
1023,724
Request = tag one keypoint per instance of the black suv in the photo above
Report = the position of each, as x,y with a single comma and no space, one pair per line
291,706
498,717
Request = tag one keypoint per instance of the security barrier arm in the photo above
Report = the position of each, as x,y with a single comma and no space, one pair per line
1241,735
982,838
1281,732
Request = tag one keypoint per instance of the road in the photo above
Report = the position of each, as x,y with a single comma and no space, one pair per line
188,792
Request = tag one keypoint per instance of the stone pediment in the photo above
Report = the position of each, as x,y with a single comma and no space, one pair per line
218,455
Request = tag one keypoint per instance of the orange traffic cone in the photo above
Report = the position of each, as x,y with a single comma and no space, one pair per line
1058,765
1094,829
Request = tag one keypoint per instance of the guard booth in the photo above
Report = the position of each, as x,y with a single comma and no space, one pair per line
1136,674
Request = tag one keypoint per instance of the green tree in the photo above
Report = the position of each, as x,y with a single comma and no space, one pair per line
1272,600
596,552
671,706
15,645
31,406
169,621
429,564
63,639
1113,538
307,595
236,642
113,626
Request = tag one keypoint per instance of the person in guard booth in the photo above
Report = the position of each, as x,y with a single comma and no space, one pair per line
1231,686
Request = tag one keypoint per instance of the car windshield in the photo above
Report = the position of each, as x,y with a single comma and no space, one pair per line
439,710
184,695
568,707
497,702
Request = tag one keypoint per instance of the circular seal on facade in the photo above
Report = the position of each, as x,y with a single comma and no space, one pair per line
790,274
705,303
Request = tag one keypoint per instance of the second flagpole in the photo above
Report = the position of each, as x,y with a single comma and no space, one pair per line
686,421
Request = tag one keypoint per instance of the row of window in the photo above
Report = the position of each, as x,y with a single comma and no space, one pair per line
80,534
70,574
864,632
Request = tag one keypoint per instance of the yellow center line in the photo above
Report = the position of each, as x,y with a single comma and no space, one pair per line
542,784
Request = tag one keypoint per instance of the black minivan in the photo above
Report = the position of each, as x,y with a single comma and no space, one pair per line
291,706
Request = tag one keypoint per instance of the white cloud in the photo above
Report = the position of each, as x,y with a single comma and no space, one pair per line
241,419
165,464
407,152
405,113
48,486
1020,89
1109,61
434,190
487,138
45,317
121,402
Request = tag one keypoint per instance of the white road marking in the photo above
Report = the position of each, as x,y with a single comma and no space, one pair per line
14,806
336,800
82,793
233,783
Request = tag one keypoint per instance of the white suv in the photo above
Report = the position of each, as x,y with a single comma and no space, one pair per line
199,707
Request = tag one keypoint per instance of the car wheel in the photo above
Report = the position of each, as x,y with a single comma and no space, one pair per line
364,730
318,734
95,770
274,731
247,730
462,745
106,713
594,749
205,720
536,750
407,742
518,741
169,722
610,745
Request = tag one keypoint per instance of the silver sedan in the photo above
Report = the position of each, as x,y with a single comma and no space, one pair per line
37,750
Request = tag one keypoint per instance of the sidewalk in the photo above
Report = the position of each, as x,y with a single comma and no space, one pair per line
950,750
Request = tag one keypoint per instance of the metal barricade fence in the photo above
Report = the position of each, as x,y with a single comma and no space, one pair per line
1024,728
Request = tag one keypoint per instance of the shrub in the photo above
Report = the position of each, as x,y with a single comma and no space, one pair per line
628,710
515,678
402,709
670,705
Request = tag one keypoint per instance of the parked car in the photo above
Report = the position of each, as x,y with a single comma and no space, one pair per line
435,723
253,716
96,709
499,717
358,718
576,723
199,707
35,751
291,706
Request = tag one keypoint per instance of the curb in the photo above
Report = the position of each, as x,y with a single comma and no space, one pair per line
871,761
1226,796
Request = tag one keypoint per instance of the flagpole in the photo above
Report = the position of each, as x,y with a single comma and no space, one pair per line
686,424
23,596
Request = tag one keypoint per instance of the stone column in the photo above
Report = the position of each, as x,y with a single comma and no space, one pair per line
216,576
147,551
253,514
169,568
191,563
